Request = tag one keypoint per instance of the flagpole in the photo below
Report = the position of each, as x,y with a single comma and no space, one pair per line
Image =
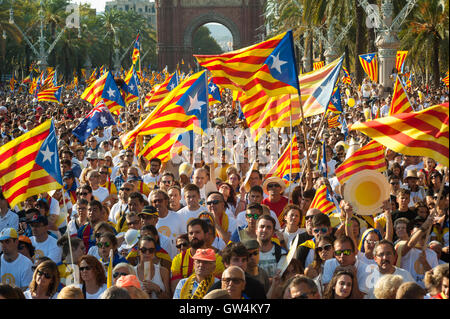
68,235
291,137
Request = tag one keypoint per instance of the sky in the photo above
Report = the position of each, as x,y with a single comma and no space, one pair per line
99,5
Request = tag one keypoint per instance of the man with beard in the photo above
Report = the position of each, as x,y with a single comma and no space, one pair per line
385,256
182,263
152,178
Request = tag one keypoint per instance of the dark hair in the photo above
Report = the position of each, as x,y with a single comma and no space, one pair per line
147,238
296,195
232,197
384,242
234,249
258,172
269,218
191,187
155,159
329,292
344,238
183,236
317,262
63,242
256,206
257,189
97,267
198,221
9,292
96,203
139,196
111,237
320,219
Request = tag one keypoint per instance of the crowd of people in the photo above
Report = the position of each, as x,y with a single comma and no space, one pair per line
218,228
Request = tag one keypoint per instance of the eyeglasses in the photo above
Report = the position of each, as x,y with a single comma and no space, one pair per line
236,281
254,216
346,252
182,245
147,250
273,185
85,268
82,194
326,247
45,274
118,274
166,182
213,202
372,242
255,253
323,230
126,189
105,245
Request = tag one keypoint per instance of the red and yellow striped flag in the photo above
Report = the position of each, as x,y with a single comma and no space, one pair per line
51,95
423,133
267,66
369,63
29,164
263,112
400,59
370,156
158,93
400,102
282,167
94,94
322,200
333,121
318,65
445,79
158,147
346,78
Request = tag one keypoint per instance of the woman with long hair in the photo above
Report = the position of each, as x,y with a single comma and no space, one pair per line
93,277
343,285
324,250
45,281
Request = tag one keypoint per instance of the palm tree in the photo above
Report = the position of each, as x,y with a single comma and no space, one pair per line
427,31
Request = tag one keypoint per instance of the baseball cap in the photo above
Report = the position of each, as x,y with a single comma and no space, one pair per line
25,239
128,281
91,155
149,210
7,233
39,219
205,254
68,174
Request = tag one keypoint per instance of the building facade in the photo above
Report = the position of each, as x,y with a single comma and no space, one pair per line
144,7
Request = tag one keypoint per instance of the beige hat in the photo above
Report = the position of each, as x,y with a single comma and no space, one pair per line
411,173
274,179
185,169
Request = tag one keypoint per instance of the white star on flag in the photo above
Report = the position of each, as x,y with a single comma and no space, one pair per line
131,87
103,120
47,155
195,104
335,100
277,63
368,58
171,86
111,92
212,88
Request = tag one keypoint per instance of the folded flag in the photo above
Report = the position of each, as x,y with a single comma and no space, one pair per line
323,201
369,63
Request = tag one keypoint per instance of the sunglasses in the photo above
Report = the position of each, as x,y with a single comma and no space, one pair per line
166,182
85,268
105,245
309,217
236,281
82,194
394,183
147,250
156,201
45,274
104,173
181,245
346,252
273,185
97,235
126,189
323,230
324,248
255,253
118,274
213,202
254,216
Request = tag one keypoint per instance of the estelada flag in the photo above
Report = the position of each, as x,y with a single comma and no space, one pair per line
29,164
369,63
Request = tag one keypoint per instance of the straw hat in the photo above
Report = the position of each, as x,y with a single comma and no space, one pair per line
274,179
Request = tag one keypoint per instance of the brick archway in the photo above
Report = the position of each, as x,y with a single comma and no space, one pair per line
178,20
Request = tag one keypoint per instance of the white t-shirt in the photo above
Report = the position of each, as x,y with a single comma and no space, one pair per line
167,245
171,226
114,213
94,252
101,193
190,214
148,178
27,295
363,270
268,262
373,278
97,294
11,220
288,237
47,248
18,272
242,222
411,263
